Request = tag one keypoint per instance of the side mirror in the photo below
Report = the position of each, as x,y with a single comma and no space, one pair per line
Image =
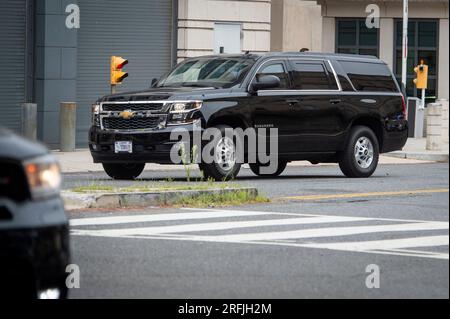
266,82
154,81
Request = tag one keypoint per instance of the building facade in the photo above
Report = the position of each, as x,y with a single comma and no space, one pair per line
49,62
341,27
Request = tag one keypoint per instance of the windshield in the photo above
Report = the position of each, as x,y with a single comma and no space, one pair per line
216,72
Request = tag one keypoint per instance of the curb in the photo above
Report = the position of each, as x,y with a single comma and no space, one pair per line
74,200
440,157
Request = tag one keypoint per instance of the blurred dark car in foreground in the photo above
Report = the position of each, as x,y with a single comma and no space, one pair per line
34,231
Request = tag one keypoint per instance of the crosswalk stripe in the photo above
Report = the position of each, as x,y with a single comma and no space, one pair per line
143,231
386,244
329,232
159,217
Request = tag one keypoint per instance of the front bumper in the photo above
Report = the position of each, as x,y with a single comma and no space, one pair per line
34,243
148,147
34,260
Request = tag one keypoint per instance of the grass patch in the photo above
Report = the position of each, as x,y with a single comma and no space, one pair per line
220,199
93,188
151,188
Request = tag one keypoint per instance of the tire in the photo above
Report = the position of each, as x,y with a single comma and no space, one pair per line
123,171
256,169
364,162
215,170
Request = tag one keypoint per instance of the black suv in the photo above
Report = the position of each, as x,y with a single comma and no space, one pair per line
34,229
327,108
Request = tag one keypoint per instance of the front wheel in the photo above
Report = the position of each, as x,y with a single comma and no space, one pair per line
224,164
123,170
361,154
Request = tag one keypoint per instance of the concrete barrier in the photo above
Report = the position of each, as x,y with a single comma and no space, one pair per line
29,120
434,127
445,110
73,200
67,126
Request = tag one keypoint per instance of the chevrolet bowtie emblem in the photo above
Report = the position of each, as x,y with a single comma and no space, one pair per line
127,114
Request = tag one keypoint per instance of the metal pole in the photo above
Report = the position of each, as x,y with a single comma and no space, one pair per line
423,99
113,89
29,120
405,46
67,126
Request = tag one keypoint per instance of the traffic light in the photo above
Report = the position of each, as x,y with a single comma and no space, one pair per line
421,80
117,75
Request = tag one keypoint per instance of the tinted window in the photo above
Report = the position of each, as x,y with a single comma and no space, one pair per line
310,76
373,77
276,69
215,71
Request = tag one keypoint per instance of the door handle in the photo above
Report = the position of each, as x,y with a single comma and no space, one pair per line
335,101
292,102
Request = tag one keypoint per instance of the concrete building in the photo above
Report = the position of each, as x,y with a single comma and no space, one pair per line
340,27
48,62
210,26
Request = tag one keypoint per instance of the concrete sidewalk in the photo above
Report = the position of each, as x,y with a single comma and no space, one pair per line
80,161
415,149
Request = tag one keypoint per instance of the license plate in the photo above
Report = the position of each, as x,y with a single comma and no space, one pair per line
123,147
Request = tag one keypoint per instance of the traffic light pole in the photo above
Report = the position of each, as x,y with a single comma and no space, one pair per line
113,89
405,46
422,103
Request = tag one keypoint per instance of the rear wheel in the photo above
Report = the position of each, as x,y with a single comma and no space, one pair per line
256,169
361,154
123,170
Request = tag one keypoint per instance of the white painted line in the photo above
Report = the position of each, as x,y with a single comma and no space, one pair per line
147,231
314,215
386,244
159,217
328,232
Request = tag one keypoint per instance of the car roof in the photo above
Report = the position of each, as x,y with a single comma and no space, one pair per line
308,54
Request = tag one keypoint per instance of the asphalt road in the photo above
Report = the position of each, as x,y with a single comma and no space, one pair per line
293,247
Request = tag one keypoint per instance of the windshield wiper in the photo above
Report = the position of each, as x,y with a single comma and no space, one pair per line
198,85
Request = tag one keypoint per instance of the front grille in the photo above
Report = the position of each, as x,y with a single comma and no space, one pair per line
136,123
13,183
133,106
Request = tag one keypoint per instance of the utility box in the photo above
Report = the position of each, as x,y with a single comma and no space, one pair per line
416,115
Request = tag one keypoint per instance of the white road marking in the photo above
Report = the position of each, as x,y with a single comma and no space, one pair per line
332,232
159,217
147,231
391,246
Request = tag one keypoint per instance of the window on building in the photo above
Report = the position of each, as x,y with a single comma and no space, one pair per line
310,76
422,44
353,37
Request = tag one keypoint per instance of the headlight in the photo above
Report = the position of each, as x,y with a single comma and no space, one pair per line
44,176
180,112
183,107
95,114
95,109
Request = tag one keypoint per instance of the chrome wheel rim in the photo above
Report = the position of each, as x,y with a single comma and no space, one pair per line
364,152
225,154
